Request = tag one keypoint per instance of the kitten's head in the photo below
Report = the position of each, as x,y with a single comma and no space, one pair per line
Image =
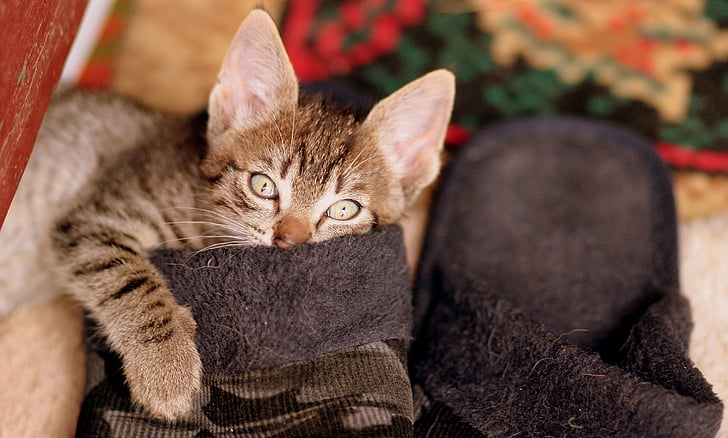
286,169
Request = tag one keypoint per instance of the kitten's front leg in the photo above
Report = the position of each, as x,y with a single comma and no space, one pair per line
162,367
104,261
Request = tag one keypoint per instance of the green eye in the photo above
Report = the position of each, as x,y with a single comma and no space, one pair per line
343,210
263,186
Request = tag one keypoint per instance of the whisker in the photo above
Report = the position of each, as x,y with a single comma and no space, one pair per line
223,227
271,141
355,164
227,243
233,227
227,222
180,239
193,222
231,221
209,236
218,225
202,210
185,239
355,159
278,128
222,245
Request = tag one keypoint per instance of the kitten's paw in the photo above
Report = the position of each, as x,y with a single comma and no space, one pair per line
166,372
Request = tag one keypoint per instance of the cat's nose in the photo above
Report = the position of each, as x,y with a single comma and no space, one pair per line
291,231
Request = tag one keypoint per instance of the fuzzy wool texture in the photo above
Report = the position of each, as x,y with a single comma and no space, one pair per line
553,308
260,307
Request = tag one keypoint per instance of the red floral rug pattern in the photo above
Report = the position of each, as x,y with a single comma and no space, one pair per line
660,68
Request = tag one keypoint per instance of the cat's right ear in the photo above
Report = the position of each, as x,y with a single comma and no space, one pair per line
256,79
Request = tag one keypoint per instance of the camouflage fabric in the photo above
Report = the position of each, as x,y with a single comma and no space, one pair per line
359,392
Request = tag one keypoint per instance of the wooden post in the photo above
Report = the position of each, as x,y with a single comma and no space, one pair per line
35,37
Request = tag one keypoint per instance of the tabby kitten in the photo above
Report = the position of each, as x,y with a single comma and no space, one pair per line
273,168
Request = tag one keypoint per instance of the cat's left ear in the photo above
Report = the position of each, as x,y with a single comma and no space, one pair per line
410,126
256,79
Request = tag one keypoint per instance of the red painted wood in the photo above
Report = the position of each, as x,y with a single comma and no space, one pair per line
35,37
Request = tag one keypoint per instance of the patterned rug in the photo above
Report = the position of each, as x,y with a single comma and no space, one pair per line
658,67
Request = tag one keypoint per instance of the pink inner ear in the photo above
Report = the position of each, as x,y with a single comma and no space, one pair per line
229,97
416,147
416,156
256,77
417,152
239,101
233,82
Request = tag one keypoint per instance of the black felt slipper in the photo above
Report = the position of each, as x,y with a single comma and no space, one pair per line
309,341
547,300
